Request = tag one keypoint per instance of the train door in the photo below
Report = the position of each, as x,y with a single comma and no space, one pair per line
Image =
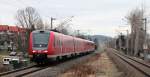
60,45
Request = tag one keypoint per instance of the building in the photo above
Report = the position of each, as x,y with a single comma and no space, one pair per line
10,35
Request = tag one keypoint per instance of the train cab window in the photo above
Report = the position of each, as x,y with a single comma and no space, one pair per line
40,40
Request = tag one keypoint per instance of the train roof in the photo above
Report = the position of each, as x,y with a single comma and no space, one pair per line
47,31
74,37
41,31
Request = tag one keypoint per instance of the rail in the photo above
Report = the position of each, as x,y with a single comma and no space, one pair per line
130,65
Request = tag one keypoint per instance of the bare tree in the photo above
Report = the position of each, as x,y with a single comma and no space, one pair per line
64,27
29,18
47,26
39,25
135,19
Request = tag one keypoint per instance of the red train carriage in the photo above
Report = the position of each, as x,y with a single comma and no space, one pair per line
44,45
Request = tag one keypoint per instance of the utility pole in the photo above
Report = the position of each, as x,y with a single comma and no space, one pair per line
120,42
127,42
145,47
145,22
89,34
78,32
52,22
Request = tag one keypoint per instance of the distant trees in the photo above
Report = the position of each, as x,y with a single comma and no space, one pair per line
47,26
135,19
64,27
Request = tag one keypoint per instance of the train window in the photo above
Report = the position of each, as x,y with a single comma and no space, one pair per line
60,43
40,40
57,42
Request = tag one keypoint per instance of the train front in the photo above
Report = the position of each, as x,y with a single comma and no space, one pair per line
38,46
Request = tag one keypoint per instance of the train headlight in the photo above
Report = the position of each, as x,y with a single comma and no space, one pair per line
33,51
46,51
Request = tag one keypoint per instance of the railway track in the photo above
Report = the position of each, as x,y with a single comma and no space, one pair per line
17,70
22,72
130,65
50,70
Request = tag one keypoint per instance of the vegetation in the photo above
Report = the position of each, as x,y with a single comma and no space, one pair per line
30,19
136,21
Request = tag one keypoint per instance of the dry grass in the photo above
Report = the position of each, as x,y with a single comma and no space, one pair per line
97,66
82,71
3,69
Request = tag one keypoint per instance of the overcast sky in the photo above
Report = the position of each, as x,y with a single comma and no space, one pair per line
95,16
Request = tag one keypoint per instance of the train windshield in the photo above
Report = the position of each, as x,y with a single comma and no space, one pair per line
40,40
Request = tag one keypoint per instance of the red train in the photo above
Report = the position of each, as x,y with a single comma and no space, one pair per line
45,45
